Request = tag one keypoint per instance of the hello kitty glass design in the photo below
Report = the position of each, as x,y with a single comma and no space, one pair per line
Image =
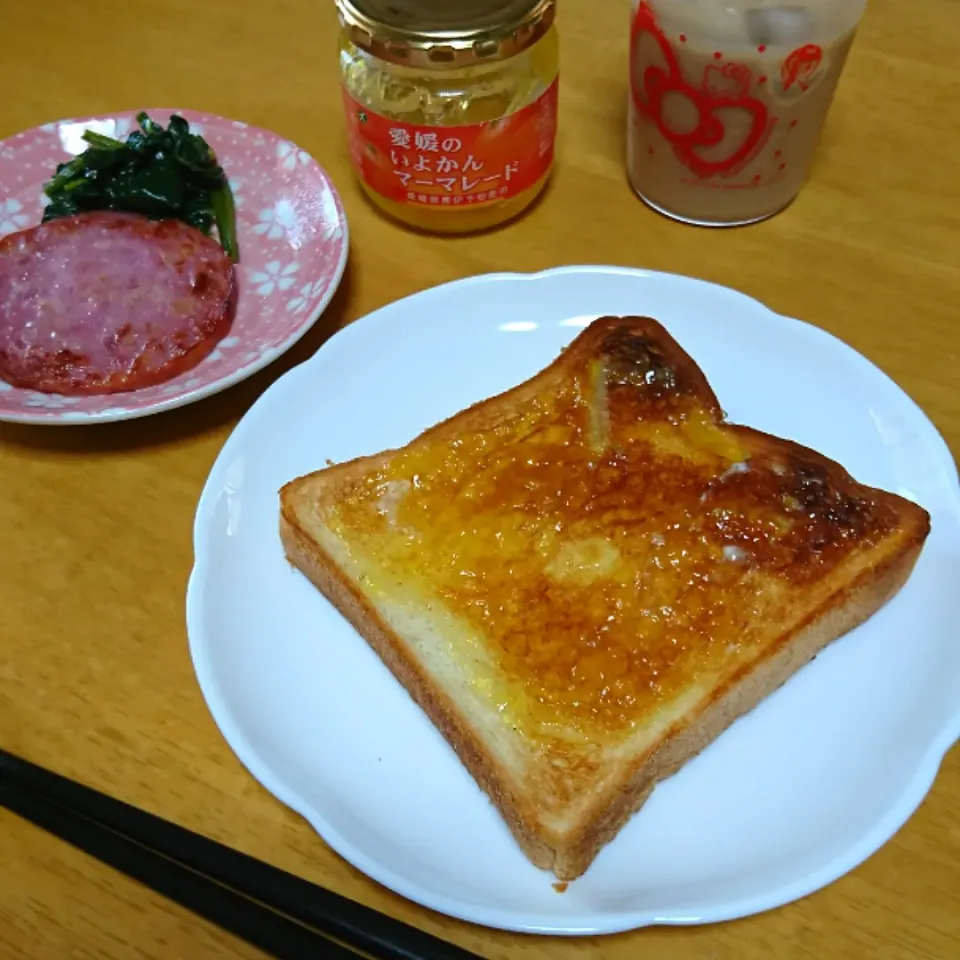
727,101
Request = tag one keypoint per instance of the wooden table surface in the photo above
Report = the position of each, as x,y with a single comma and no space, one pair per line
95,678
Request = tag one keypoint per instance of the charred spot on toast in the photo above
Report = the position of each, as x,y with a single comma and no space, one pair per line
835,510
633,359
808,489
793,516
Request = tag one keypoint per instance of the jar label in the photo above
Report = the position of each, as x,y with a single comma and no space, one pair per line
453,166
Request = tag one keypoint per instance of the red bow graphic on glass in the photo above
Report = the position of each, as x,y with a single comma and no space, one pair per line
725,87
800,66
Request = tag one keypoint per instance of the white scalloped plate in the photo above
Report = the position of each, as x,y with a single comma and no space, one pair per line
292,233
795,794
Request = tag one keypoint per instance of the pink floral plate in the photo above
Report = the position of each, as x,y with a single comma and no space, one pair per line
293,240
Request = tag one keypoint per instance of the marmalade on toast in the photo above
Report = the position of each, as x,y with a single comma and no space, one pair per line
611,540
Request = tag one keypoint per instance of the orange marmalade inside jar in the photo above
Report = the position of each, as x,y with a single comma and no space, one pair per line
451,107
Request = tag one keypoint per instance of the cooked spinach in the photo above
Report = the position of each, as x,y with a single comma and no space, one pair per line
159,173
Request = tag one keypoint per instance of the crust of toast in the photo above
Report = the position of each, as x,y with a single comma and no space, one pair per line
568,853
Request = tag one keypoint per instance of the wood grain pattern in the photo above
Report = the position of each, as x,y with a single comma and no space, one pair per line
95,679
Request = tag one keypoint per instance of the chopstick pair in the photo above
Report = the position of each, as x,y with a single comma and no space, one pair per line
276,911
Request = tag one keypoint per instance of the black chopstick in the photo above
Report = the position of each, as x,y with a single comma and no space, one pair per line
262,904
270,931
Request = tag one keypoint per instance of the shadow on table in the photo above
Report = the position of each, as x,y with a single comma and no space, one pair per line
195,419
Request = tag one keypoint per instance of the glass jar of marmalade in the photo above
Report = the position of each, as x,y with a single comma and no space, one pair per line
451,106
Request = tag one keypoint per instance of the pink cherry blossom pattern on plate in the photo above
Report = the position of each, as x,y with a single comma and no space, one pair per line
293,239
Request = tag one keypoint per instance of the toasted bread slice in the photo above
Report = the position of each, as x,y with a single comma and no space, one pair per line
585,580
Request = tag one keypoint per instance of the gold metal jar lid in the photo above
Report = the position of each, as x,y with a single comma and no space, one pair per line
445,34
